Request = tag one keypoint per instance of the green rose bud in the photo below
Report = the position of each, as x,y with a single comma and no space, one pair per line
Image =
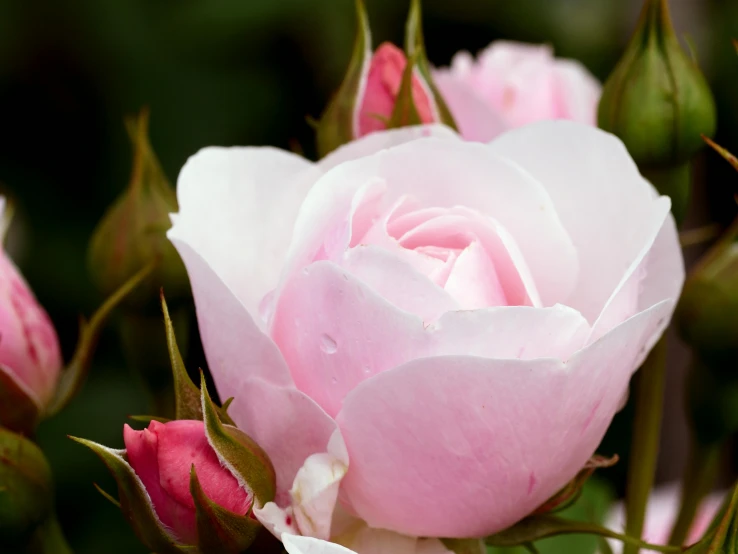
132,233
658,103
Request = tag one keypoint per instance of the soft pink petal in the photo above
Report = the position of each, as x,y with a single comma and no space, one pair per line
476,119
286,423
314,493
454,173
477,458
277,520
474,282
335,332
601,199
237,207
577,91
295,544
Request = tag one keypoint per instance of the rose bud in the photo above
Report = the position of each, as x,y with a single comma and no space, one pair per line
25,491
658,103
30,359
511,84
132,233
191,483
386,90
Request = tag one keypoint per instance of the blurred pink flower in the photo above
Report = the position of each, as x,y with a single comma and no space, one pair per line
162,457
510,84
661,513
29,348
460,320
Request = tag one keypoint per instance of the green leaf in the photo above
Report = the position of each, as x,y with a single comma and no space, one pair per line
239,453
220,531
415,49
73,378
336,126
135,502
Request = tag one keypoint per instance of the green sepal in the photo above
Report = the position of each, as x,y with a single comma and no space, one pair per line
187,401
539,527
247,461
73,377
148,418
135,502
220,531
722,535
415,49
336,125
6,218
405,113
730,158
19,410
106,495
573,489
465,546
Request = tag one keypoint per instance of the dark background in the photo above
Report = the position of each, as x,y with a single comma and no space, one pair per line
243,72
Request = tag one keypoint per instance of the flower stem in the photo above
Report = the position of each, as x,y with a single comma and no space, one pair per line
698,479
649,391
49,539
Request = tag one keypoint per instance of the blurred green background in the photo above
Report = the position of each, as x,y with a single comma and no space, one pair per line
242,72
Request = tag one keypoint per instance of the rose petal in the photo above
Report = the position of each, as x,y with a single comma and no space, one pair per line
601,199
295,544
488,457
237,207
335,332
475,118
277,520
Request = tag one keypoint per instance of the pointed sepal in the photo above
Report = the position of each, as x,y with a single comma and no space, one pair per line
247,461
339,122
19,408
573,489
187,399
73,377
220,531
730,158
722,535
415,50
405,112
465,546
135,502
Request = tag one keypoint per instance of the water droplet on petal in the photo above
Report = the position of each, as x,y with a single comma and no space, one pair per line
334,380
328,344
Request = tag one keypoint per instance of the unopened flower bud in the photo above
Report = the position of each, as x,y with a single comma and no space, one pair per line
384,90
25,491
30,359
132,233
658,103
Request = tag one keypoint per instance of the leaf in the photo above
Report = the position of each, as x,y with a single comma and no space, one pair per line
239,453
220,531
73,377
336,126
415,49
135,502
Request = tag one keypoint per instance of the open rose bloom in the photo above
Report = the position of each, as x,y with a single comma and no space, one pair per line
510,84
426,335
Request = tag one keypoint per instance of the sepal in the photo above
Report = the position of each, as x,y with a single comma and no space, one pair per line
415,50
19,408
221,531
135,502
339,121
405,113
465,546
246,460
722,535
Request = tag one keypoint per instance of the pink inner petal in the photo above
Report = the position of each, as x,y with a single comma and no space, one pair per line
473,281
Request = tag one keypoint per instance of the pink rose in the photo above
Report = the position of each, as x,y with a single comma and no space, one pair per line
382,86
460,320
29,348
510,84
162,457
661,514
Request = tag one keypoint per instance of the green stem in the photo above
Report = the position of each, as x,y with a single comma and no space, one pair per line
649,391
699,477
49,539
